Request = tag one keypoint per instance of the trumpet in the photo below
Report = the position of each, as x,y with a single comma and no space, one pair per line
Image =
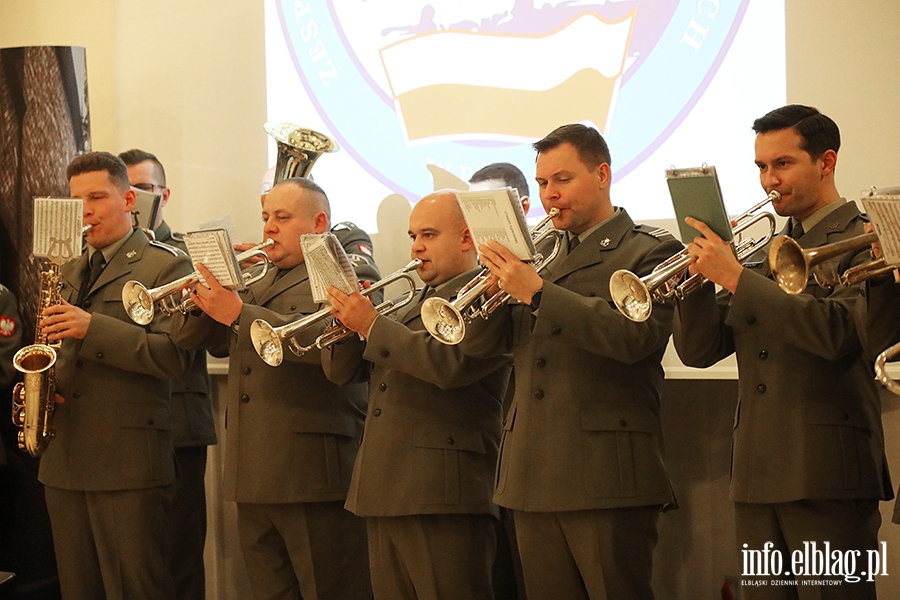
268,340
634,295
446,321
139,301
881,374
791,264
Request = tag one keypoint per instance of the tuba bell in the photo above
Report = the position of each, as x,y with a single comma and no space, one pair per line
298,149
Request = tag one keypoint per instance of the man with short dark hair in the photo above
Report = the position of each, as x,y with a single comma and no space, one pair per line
108,472
498,175
581,461
193,428
291,435
808,462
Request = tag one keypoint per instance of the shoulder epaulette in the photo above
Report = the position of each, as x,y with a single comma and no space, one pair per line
171,249
177,236
657,232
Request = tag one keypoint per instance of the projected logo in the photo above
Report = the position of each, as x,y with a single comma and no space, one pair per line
464,83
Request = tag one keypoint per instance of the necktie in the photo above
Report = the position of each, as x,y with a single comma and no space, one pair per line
91,275
797,231
573,243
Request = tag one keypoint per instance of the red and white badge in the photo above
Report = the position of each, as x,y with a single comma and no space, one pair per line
7,326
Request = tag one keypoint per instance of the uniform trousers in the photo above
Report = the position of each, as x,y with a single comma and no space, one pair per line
432,557
311,550
112,544
187,525
588,554
844,524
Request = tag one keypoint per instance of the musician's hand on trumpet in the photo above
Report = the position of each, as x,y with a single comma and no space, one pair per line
518,279
715,257
221,304
355,311
65,320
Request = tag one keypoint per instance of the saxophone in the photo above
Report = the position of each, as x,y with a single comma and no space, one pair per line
33,399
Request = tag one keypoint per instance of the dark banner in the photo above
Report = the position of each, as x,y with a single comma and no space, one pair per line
44,124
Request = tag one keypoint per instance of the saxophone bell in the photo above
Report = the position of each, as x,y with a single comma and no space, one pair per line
34,398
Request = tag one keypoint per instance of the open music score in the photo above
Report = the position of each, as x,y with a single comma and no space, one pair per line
497,215
57,228
883,208
213,249
327,265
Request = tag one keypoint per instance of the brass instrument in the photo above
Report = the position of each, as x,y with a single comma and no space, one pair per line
33,398
139,301
298,149
791,264
446,321
874,268
634,295
267,340
887,356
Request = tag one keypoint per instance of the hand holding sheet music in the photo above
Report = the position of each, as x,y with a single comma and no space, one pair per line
497,215
883,208
212,248
327,265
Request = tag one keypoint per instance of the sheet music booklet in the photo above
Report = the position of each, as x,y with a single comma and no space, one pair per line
497,215
57,229
327,265
696,193
146,208
213,249
883,208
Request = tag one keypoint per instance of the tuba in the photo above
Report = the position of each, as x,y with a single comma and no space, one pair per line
298,149
33,398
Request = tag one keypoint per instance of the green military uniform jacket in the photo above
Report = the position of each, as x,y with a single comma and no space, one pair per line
290,434
114,430
808,419
584,430
433,424
192,418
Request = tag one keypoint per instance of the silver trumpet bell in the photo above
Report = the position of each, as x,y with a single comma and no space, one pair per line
268,340
881,373
791,264
634,296
446,321
139,301
298,149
